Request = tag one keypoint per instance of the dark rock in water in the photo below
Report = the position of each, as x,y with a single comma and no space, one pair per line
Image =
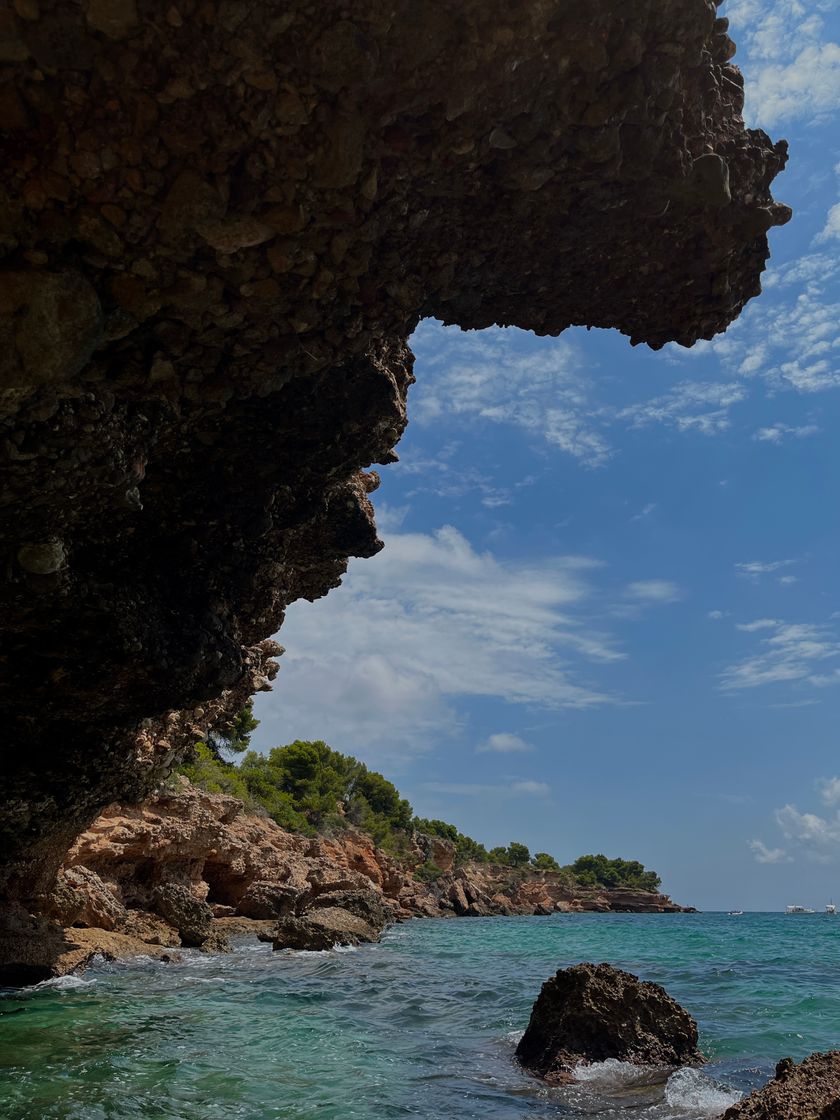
808,1091
592,1012
324,929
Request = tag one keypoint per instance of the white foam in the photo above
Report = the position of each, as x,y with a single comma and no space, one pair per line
691,1089
613,1074
63,984
514,1036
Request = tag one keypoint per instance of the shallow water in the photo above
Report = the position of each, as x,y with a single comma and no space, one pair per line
424,1024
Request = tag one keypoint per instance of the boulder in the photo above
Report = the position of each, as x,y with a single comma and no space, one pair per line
808,1091
80,898
192,918
367,905
265,899
591,1012
323,929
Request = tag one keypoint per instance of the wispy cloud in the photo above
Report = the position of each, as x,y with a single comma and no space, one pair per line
793,69
755,568
791,652
653,591
383,664
763,854
537,789
778,433
488,377
477,789
703,407
503,742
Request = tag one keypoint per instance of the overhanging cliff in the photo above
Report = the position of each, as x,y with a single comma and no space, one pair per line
220,222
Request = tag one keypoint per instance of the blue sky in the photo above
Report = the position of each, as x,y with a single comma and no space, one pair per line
607,616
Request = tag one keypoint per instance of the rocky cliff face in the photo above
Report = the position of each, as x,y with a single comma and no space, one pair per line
219,223
188,868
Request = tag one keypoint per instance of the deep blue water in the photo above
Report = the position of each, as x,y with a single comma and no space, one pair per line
421,1025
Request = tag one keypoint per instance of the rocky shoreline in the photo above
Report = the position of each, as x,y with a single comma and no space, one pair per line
190,868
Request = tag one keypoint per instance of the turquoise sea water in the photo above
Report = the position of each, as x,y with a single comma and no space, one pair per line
421,1025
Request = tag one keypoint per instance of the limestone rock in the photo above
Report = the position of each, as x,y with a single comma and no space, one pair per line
589,1013
365,904
192,918
80,898
323,929
264,899
807,1091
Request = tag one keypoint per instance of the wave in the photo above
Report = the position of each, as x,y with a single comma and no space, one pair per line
692,1089
63,984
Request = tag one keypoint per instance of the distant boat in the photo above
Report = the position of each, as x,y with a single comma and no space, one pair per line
798,910
735,913
831,908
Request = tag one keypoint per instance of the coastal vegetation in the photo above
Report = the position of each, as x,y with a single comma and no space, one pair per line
309,788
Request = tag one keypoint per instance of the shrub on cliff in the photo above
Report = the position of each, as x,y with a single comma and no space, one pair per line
207,771
542,861
598,871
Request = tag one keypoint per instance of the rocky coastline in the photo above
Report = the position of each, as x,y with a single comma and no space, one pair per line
191,868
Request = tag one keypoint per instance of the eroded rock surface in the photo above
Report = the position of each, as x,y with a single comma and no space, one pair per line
807,1091
219,223
342,918
589,1013
193,868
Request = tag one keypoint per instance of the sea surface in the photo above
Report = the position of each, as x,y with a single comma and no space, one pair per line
422,1025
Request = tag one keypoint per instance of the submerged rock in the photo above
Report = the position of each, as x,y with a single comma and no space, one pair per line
808,1091
592,1012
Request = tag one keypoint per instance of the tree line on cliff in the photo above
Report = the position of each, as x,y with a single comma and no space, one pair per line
309,788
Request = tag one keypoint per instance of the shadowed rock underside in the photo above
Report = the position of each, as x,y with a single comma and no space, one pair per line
219,224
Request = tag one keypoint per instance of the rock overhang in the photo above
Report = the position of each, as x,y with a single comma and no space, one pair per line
220,223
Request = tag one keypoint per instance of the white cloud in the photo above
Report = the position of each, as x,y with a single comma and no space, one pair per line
809,829
653,591
503,743
763,854
717,614
831,229
381,664
538,789
791,653
644,512
777,433
830,790
477,789
689,406
792,71
756,568
759,624
807,86
487,376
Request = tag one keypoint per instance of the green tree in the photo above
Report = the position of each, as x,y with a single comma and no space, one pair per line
542,861
518,854
233,736
599,871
